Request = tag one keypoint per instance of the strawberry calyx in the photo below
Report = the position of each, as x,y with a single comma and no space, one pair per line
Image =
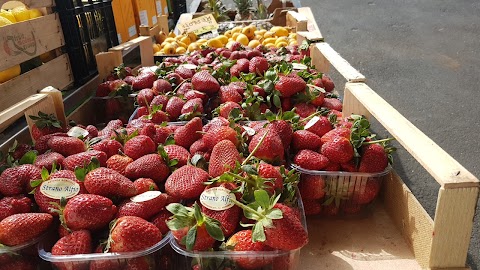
171,163
45,175
81,172
122,136
44,120
59,208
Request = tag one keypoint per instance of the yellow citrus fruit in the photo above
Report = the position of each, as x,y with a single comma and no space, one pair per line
243,39
201,41
281,44
280,31
158,53
8,15
228,33
9,73
170,40
214,43
192,36
253,43
181,44
269,45
186,40
35,13
235,35
292,35
236,29
269,40
260,32
156,48
223,39
249,31
193,47
21,14
169,49
229,44
4,21
268,34
171,34
180,50
259,38
293,42
281,39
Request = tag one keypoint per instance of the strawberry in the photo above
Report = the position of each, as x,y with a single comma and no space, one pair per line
286,104
242,241
284,131
109,146
20,263
203,81
223,158
21,228
319,125
144,184
161,134
139,146
253,53
46,160
44,124
327,83
113,108
215,135
16,180
145,97
198,146
305,109
152,166
225,109
145,209
184,88
161,86
215,122
332,103
175,78
186,182
19,150
160,220
186,135
312,187
268,171
143,110
157,116
140,263
228,93
133,234
333,167
41,143
367,192
184,72
119,163
243,65
109,183
374,159
289,85
174,108
88,211
310,160
312,207
193,106
81,159
338,150
66,146
318,82
337,132
78,242
286,233
318,99
270,150
144,80
235,71
304,139
159,100
92,131
179,153
14,205
110,127
192,94
258,65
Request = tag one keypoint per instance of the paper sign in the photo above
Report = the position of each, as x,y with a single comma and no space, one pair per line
146,196
60,187
199,25
143,17
217,198
132,31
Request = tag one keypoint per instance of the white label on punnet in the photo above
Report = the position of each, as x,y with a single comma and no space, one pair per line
146,196
60,187
250,131
217,198
77,132
312,122
189,66
299,66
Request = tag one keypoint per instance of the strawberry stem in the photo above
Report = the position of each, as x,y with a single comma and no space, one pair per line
246,208
378,141
310,116
256,148
242,178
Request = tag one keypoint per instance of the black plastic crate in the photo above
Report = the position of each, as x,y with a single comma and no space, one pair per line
89,28
177,8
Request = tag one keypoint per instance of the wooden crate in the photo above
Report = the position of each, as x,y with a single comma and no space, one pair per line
26,40
162,25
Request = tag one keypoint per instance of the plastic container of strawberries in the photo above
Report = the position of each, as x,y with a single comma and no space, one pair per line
346,194
25,254
82,261
278,259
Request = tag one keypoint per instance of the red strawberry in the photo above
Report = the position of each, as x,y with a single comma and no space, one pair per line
46,160
203,81
215,135
228,93
66,146
139,146
113,108
109,183
157,116
186,182
304,139
215,122
145,97
312,187
152,166
140,263
144,80
144,209
286,104
305,109
20,151
373,159
16,180
286,233
188,134
258,65
251,54
161,134
21,228
318,99
14,205
144,184
235,71
337,132
160,220
110,147
184,72
243,65
161,86
319,125
270,150
223,158
44,124
179,153
92,131
310,160
367,192
330,210
332,103
312,207
174,108
193,106
271,172
78,242
159,100
290,85
227,107
119,163
184,88
338,150
198,146
20,263
333,167
110,127
327,83
41,143
88,211
82,159
284,131
192,94
242,241
133,234
349,166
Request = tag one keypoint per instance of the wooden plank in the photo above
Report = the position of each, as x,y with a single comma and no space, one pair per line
25,40
453,226
47,106
58,103
106,62
83,115
322,54
410,218
146,52
10,115
33,3
297,21
56,73
313,32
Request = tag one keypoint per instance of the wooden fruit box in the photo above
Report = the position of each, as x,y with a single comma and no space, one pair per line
26,40
162,25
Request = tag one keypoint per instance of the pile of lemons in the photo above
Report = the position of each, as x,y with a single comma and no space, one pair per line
250,36
7,17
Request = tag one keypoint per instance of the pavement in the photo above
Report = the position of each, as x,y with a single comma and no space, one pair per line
423,57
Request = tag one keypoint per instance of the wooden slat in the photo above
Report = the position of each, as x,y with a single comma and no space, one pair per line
83,113
313,32
323,56
106,62
445,169
33,3
453,226
409,217
9,116
56,73
297,21
146,52
57,102
25,40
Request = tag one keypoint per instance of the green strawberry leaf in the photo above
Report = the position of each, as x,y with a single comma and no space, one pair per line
35,184
213,229
176,208
275,214
170,140
262,198
270,75
45,174
250,169
198,213
28,158
191,238
258,233
276,101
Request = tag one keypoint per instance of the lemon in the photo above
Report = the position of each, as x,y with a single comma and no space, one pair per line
171,34
253,43
193,37
223,39
193,47
180,50
280,31
249,31
281,39
243,39
228,33
269,40
214,43
8,15
201,41
229,44
35,13
4,21
281,44
158,53
21,14
170,40
292,35
156,48
9,73
186,40
169,49
268,34
269,45
260,32
235,35
259,38
236,29
181,44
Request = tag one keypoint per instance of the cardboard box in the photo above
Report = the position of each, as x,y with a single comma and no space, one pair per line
124,20
145,12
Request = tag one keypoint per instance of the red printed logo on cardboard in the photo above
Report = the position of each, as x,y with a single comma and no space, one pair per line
19,43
